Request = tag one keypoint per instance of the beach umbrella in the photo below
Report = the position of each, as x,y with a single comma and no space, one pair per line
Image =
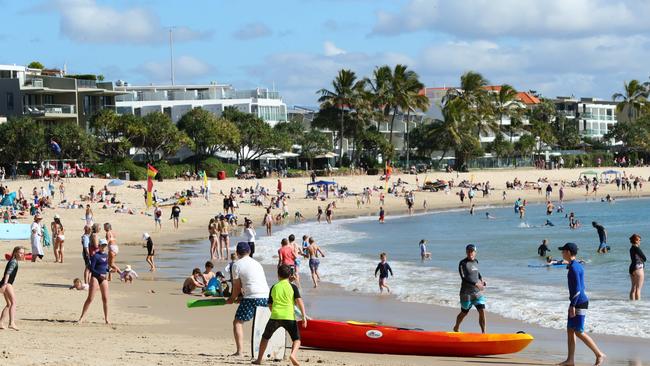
116,182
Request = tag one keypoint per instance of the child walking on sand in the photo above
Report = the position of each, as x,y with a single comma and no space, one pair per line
383,268
284,296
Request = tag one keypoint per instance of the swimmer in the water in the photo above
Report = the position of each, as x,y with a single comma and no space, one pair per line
489,217
549,223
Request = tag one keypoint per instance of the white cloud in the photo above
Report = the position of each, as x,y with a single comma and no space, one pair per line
88,21
252,31
330,49
186,69
517,18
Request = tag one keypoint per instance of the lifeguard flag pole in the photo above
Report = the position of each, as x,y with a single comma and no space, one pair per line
151,173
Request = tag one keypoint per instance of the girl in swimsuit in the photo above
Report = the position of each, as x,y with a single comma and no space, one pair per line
268,222
212,230
224,239
98,268
7,289
636,267
113,250
89,216
59,238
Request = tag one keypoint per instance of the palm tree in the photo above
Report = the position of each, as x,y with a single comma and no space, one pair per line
391,88
635,96
473,93
340,97
505,103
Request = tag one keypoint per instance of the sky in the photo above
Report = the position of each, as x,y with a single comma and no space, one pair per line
555,47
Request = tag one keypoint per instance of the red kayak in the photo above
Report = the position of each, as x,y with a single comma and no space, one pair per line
28,256
373,338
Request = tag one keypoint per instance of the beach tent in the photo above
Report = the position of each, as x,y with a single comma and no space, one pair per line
115,182
611,172
8,199
589,172
323,183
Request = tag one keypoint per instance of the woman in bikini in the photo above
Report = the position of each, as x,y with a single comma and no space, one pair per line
224,238
212,231
268,221
59,238
7,289
113,250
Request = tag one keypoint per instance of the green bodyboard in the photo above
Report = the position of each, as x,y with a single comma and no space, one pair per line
197,303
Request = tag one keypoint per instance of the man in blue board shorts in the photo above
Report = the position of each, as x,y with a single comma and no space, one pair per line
471,288
577,307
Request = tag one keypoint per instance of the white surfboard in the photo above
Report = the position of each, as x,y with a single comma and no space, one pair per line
277,343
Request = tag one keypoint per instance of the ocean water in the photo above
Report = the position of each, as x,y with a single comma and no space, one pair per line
506,248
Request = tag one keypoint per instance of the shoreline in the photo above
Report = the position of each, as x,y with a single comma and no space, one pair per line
150,323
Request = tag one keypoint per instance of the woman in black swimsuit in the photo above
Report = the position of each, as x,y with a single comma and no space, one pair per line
7,289
636,267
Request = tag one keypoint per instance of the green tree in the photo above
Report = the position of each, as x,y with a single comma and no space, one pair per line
74,141
476,105
566,132
340,97
542,132
500,146
156,133
373,145
525,145
22,139
506,104
313,143
256,136
293,129
394,89
634,135
111,133
414,101
632,99
208,134
36,65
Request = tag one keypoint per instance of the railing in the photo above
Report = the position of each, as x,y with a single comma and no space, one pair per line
171,95
41,110
597,117
89,84
36,83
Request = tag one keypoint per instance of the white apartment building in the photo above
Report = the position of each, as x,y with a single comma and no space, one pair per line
176,100
595,116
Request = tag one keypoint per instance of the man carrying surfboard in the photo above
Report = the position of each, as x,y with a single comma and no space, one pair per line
248,279
471,288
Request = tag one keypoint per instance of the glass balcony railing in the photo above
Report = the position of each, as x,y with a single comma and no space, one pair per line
45,109
88,84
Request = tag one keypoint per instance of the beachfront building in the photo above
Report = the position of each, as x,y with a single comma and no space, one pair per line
50,96
595,117
525,100
176,100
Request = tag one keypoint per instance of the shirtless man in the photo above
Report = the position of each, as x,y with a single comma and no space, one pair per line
193,282
313,250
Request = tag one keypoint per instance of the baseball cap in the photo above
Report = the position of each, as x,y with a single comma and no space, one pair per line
470,247
571,247
243,247
103,242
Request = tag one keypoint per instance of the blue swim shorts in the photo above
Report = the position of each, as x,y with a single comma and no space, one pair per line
478,302
247,307
577,323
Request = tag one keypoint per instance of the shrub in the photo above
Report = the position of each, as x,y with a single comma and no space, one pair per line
168,171
114,167
213,165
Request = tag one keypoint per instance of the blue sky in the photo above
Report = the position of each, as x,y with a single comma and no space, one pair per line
557,47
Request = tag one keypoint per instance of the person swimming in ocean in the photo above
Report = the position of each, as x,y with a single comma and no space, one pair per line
543,248
489,217
549,223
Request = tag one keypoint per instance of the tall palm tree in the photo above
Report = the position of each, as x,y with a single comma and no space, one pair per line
340,97
505,103
479,110
391,87
632,99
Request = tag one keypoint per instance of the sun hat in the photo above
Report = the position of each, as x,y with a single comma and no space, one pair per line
127,268
145,236
56,216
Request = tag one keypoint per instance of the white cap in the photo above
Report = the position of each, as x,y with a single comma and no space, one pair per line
57,216
145,236
103,242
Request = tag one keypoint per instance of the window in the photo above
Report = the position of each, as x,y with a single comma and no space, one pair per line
10,101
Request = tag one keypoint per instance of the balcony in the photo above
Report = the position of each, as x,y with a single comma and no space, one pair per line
51,111
86,84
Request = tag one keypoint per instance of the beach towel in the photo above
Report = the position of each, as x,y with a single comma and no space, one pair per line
8,199
47,239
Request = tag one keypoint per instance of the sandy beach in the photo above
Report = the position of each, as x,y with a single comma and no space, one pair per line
151,325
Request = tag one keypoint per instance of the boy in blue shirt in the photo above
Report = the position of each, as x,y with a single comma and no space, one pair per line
577,307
